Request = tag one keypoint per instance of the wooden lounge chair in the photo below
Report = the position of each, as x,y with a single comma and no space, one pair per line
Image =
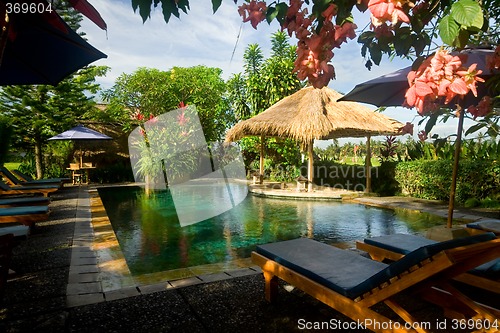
24,201
45,190
12,180
396,246
26,215
27,178
352,284
481,226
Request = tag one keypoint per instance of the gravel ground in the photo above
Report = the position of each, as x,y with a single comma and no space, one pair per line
35,297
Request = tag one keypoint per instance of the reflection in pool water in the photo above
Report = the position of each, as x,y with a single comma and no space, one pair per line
152,240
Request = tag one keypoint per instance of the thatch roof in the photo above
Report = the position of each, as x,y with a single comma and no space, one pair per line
311,114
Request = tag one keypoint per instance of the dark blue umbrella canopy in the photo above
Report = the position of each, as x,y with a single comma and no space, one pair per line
42,49
80,133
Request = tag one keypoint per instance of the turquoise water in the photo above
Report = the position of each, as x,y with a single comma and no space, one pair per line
152,239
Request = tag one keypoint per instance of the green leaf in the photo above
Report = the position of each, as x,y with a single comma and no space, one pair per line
431,122
463,38
183,5
448,30
144,8
467,13
375,53
271,14
474,128
216,4
281,9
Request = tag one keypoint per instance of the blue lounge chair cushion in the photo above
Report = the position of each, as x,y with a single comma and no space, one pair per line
12,211
6,187
31,200
48,180
343,271
399,243
486,225
490,270
349,273
405,244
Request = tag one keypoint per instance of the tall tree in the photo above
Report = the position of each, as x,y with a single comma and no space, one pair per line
149,92
40,111
263,83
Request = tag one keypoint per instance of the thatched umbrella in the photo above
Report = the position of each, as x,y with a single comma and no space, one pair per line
314,114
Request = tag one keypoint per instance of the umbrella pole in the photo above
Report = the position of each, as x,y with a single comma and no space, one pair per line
310,166
368,164
261,166
454,176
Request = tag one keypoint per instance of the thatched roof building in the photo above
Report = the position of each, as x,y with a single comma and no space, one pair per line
314,114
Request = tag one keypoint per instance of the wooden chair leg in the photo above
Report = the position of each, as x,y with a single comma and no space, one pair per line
398,309
271,286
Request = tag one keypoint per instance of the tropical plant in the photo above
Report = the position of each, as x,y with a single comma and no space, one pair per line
263,83
5,137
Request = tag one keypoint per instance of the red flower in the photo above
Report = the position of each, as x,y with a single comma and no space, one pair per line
494,61
422,136
182,119
482,109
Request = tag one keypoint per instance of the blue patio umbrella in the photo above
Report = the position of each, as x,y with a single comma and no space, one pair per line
80,133
40,48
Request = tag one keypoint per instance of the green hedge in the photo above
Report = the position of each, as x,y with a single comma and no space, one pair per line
432,179
353,177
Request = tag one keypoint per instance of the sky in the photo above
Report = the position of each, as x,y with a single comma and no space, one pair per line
204,38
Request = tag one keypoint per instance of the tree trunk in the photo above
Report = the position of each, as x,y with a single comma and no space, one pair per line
38,159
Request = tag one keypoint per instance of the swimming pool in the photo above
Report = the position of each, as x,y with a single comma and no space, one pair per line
152,239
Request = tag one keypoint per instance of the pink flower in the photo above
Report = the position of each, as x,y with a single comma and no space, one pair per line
255,12
388,10
440,77
407,129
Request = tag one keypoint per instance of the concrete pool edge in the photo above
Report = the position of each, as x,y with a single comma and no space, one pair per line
98,275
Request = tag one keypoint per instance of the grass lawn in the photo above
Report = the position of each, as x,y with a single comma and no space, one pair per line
359,161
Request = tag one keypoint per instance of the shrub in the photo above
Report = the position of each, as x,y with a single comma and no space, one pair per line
471,203
432,179
341,176
5,137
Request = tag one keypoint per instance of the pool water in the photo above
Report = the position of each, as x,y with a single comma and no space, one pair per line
152,239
